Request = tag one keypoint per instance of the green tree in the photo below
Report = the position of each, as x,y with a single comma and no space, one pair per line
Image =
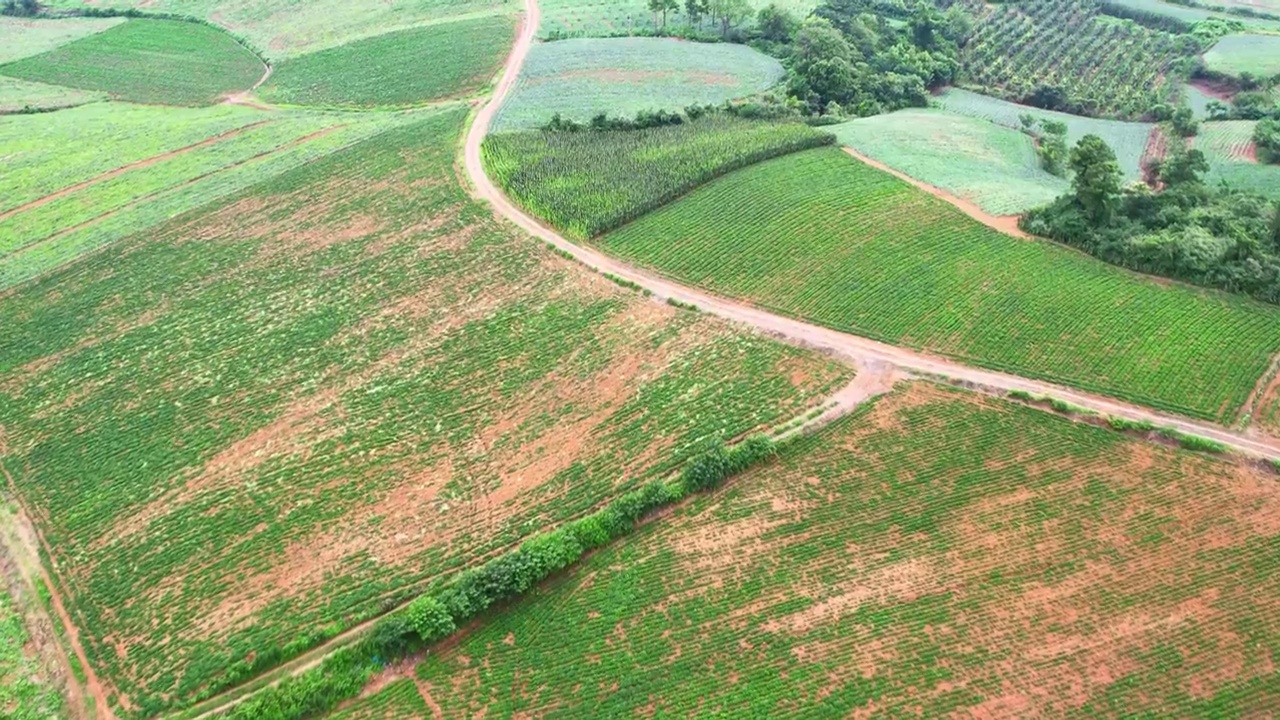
729,13
1097,178
1183,168
696,9
1266,135
821,71
776,24
661,7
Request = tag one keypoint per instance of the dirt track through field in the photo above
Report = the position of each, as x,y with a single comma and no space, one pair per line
855,349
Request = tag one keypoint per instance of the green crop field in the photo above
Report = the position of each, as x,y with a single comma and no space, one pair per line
374,383
388,70
25,692
939,555
24,37
1194,15
579,78
286,28
1236,54
399,700
149,61
1103,67
588,182
1199,101
821,236
18,95
1228,146
989,165
590,18
1127,139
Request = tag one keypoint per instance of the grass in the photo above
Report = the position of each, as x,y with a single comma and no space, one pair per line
992,166
579,78
287,28
598,18
1245,53
939,553
388,70
1127,139
821,236
24,37
1228,146
17,95
588,182
25,693
1195,15
148,61
375,385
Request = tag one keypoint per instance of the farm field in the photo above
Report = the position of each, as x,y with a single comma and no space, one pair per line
399,700
1199,101
821,236
375,385
1245,53
1127,139
1103,67
285,28
387,70
622,76
1228,146
17,95
992,166
148,61
602,18
587,183
939,553
25,692
24,37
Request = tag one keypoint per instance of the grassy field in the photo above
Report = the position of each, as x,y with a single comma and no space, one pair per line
1199,101
388,70
941,554
579,78
589,182
1244,53
24,37
1195,15
148,61
24,690
1127,139
18,94
374,384
1228,146
70,198
593,18
287,28
821,236
992,166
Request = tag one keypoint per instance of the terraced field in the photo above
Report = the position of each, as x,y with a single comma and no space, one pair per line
820,236
940,553
586,183
24,37
1245,53
992,166
1228,146
579,78
374,385
1128,139
388,70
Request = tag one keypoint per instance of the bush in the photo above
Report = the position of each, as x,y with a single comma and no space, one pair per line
429,618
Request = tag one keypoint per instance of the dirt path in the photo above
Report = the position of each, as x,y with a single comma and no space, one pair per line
127,168
852,348
1007,224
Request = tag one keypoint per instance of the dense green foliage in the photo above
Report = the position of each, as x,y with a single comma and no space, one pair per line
391,69
1266,138
1187,230
916,560
1061,55
821,236
25,692
150,61
585,184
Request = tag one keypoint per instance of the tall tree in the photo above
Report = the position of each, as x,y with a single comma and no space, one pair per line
1097,178
730,13
695,9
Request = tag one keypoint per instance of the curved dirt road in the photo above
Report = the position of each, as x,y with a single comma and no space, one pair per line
857,350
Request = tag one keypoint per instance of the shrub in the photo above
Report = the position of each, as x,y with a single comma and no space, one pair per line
428,617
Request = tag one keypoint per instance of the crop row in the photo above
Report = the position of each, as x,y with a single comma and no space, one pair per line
585,183
821,236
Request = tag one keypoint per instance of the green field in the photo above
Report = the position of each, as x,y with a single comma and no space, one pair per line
585,183
1199,101
595,18
989,165
939,555
1228,146
1236,54
24,37
399,700
821,236
286,28
148,61
1194,15
1127,139
388,70
16,95
375,384
579,78
25,693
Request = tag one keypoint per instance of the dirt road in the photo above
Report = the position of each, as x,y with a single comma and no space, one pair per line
853,348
